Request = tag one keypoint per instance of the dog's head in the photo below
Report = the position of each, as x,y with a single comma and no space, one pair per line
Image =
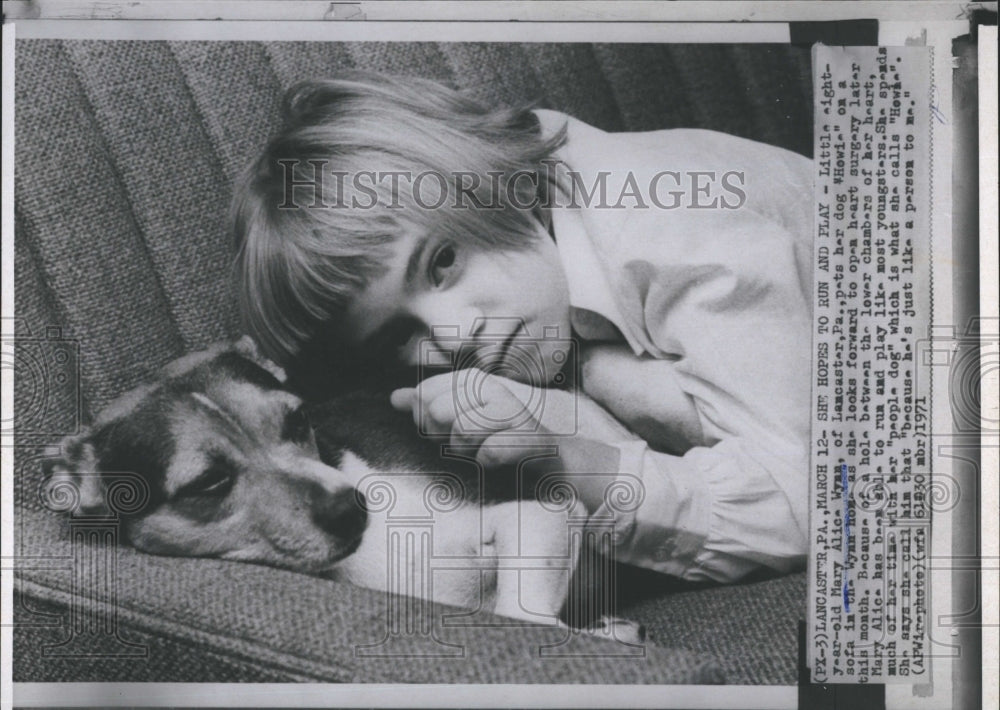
228,465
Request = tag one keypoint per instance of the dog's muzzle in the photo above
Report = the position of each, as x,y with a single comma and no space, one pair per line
341,514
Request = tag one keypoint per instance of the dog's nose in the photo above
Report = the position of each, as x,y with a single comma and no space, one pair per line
342,514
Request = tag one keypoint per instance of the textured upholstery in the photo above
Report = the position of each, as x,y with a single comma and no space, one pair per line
125,155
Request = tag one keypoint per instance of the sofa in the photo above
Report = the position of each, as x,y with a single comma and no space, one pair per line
126,152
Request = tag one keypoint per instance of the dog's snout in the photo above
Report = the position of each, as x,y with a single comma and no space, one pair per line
342,513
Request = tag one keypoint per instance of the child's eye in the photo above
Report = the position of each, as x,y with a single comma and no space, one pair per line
442,261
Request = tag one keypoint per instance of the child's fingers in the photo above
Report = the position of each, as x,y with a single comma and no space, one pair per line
467,406
434,417
434,387
440,412
431,403
403,399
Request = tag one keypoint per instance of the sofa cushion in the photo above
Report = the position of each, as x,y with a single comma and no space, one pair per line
303,627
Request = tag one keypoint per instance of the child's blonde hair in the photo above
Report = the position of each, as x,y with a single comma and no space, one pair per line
303,253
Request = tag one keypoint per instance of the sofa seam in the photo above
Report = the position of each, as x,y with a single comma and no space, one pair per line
150,623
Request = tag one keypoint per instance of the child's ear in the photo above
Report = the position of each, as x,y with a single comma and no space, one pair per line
73,480
247,347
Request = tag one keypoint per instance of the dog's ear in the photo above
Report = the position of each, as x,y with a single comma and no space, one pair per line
247,347
73,479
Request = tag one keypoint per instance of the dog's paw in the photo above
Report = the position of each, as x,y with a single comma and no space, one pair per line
617,629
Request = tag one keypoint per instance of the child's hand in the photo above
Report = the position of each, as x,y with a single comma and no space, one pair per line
507,421
502,419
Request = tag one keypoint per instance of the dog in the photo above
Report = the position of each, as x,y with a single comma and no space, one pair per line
238,467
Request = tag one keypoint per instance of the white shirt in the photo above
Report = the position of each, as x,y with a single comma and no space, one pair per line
721,299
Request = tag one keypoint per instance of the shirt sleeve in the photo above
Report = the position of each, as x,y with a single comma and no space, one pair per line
713,514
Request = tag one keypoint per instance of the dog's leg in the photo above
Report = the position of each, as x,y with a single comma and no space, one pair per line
536,553
537,550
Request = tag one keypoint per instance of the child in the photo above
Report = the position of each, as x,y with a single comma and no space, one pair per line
389,214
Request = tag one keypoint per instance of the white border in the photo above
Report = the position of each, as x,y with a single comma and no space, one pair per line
989,306
6,375
712,697
400,31
518,10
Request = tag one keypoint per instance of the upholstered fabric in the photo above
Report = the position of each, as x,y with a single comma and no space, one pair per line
125,156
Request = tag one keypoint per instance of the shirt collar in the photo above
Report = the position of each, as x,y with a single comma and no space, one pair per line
589,288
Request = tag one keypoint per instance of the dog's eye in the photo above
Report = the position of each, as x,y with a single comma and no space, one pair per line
296,427
215,482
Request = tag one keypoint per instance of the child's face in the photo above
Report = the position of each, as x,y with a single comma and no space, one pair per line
439,295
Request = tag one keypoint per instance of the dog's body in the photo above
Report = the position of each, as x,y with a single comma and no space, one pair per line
237,468
479,547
